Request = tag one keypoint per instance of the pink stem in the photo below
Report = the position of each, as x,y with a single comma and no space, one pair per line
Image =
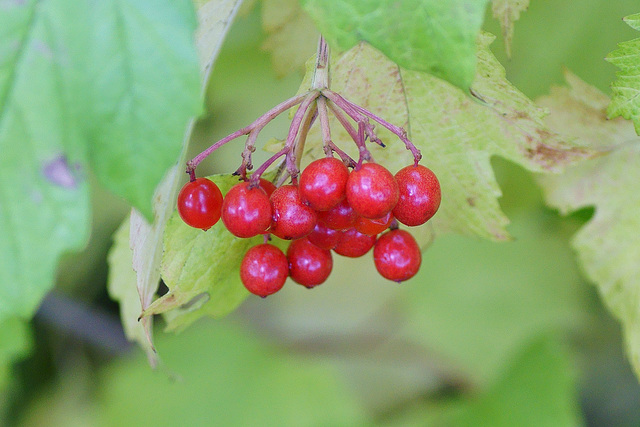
324,124
295,155
348,108
363,153
256,126
344,122
357,136
308,99
400,132
346,159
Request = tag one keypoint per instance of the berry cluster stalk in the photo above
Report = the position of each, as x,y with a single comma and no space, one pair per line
313,104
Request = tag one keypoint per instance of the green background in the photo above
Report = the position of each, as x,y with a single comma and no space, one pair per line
487,334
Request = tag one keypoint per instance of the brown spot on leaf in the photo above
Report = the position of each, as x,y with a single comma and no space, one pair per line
551,157
471,201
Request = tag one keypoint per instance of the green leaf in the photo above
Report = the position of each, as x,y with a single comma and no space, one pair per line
292,35
44,200
122,287
434,36
457,136
626,88
201,269
226,377
214,19
608,246
144,87
83,83
507,12
538,389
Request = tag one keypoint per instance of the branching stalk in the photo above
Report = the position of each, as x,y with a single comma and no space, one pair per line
312,105
349,106
257,126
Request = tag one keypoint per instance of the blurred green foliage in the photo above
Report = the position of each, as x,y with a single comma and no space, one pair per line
488,334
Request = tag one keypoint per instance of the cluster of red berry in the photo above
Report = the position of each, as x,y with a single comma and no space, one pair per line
329,208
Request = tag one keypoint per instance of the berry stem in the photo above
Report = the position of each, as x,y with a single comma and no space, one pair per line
363,152
324,124
307,99
321,78
400,132
347,107
359,139
343,121
256,127
346,159
295,155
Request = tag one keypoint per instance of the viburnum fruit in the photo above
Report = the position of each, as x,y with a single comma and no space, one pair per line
373,227
354,244
309,265
322,184
264,270
268,186
338,217
372,191
200,203
397,255
246,211
323,207
419,195
290,218
324,237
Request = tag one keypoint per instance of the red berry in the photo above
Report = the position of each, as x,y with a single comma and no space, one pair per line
246,211
373,227
322,184
354,244
324,237
308,264
338,217
264,270
290,218
397,255
199,203
268,186
419,195
372,191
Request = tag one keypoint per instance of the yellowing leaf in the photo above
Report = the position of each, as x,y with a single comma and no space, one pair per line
214,19
456,134
626,89
608,246
122,288
292,34
508,12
